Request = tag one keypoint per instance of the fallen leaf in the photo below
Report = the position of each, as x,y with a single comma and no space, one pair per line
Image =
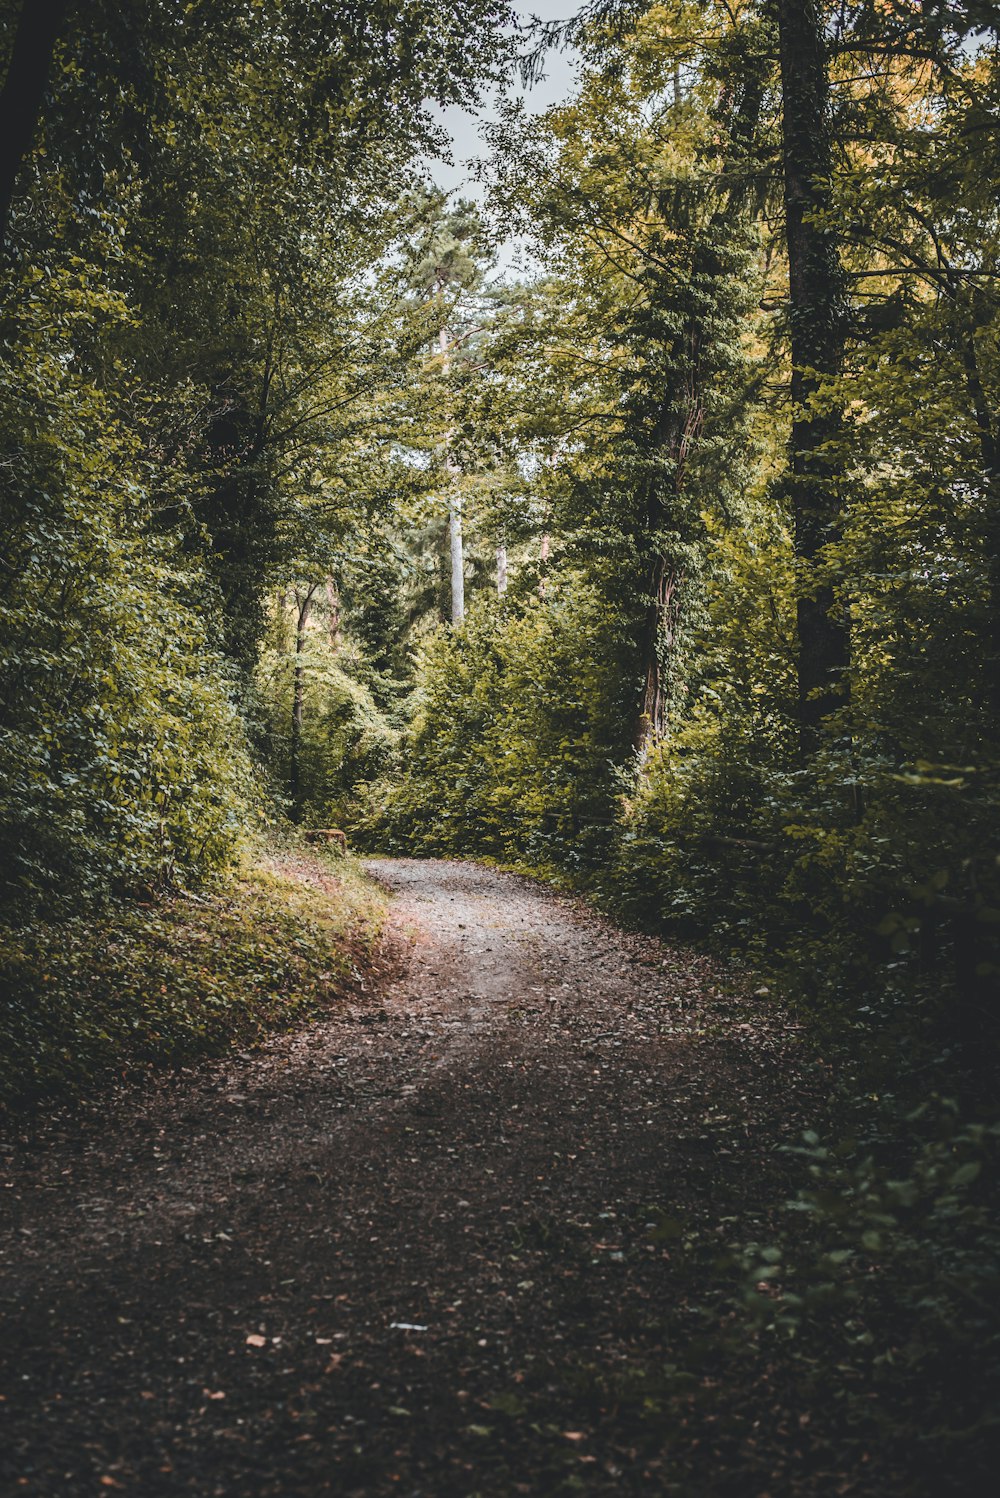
255,1341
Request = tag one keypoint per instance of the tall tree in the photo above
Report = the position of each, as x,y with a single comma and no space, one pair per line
447,264
818,323
659,212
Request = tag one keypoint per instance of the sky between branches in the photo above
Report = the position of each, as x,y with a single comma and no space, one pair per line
465,127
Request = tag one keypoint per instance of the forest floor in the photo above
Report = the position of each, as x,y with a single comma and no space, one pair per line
449,1240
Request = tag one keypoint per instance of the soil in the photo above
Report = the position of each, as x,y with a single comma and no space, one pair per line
431,1245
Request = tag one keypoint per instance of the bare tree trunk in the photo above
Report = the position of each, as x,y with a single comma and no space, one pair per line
817,305
544,563
457,559
501,569
23,91
303,605
454,515
333,606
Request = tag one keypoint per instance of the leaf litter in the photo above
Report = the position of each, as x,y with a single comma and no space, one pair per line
512,1148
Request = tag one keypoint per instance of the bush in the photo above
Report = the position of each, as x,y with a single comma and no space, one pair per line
510,752
122,757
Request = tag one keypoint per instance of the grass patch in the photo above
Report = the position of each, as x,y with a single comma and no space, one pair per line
91,999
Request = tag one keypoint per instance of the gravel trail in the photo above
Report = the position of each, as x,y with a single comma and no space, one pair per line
425,1247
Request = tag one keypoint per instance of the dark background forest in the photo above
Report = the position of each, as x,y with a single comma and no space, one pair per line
666,568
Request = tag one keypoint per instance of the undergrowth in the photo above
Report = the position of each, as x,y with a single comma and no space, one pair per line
87,1000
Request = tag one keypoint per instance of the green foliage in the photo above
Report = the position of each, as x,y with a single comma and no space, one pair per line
87,1000
638,399
231,431
202,308
122,758
889,1270
344,739
512,741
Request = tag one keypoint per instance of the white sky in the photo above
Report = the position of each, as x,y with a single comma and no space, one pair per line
464,128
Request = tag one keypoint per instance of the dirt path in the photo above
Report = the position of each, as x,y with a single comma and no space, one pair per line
427,1247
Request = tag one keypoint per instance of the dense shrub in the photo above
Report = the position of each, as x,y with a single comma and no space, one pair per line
517,729
122,760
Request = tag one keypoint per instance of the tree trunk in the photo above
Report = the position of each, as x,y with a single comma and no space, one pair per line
238,510
544,563
501,570
658,638
333,612
817,310
454,514
457,559
674,439
303,605
23,92
990,454
680,424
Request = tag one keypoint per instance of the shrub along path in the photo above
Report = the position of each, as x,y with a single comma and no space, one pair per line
467,1235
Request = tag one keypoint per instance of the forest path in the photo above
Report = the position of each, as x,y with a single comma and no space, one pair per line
424,1247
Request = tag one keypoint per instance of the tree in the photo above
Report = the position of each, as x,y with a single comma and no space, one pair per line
659,213
817,319
447,264
183,373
